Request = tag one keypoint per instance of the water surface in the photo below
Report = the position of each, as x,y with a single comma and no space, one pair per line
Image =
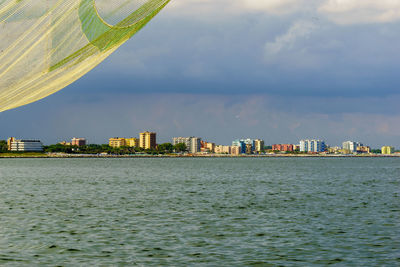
213,212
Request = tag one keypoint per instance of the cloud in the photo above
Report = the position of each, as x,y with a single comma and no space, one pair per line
216,118
343,12
221,8
272,6
299,30
295,48
361,11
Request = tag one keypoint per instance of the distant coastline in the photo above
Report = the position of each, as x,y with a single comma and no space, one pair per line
97,156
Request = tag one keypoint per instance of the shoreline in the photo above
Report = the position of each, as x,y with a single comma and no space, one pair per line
81,156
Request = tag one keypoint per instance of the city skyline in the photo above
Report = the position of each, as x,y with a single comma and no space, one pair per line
193,146
148,140
281,71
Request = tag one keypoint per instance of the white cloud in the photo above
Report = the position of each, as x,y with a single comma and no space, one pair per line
299,30
342,12
222,8
271,6
294,49
361,11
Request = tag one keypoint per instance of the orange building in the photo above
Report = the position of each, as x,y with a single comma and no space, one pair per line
78,141
283,147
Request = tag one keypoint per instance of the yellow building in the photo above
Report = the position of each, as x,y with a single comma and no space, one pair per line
132,142
334,150
147,140
211,147
65,143
259,145
9,141
116,142
387,150
346,151
363,149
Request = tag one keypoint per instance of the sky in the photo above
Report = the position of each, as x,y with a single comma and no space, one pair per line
279,70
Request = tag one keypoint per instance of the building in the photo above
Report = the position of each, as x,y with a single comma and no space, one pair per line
116,142
210,147
283,147
351,146
250,142
148,140
363,149
304,145
132,142
312,146
78,142
259,145
65,143
181,140
24,145
241,144
334,150
249,149
193,144
222,149
9,141
236,150
387,150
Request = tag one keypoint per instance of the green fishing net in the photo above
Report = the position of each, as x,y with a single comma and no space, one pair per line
46,45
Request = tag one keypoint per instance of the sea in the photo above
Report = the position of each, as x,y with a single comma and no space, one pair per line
200,212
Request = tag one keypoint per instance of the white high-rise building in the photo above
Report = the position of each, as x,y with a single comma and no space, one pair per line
351,146
195,144
313,145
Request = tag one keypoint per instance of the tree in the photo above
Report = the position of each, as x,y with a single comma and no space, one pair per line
3,146
376,151
166,148
181,147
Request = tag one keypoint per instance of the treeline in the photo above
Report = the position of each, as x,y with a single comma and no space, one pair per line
3,146
124,150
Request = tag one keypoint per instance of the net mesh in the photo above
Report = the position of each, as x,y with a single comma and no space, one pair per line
46,45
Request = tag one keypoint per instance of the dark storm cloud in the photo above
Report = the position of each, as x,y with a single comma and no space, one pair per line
279,70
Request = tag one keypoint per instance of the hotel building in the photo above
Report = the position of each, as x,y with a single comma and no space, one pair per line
78,141
236,150
132,142
193,144
259,145
148,140
116,142
312,146
283,147
210,147
241,144
223,149
245,144
387,150
24,145
363,149
351,146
